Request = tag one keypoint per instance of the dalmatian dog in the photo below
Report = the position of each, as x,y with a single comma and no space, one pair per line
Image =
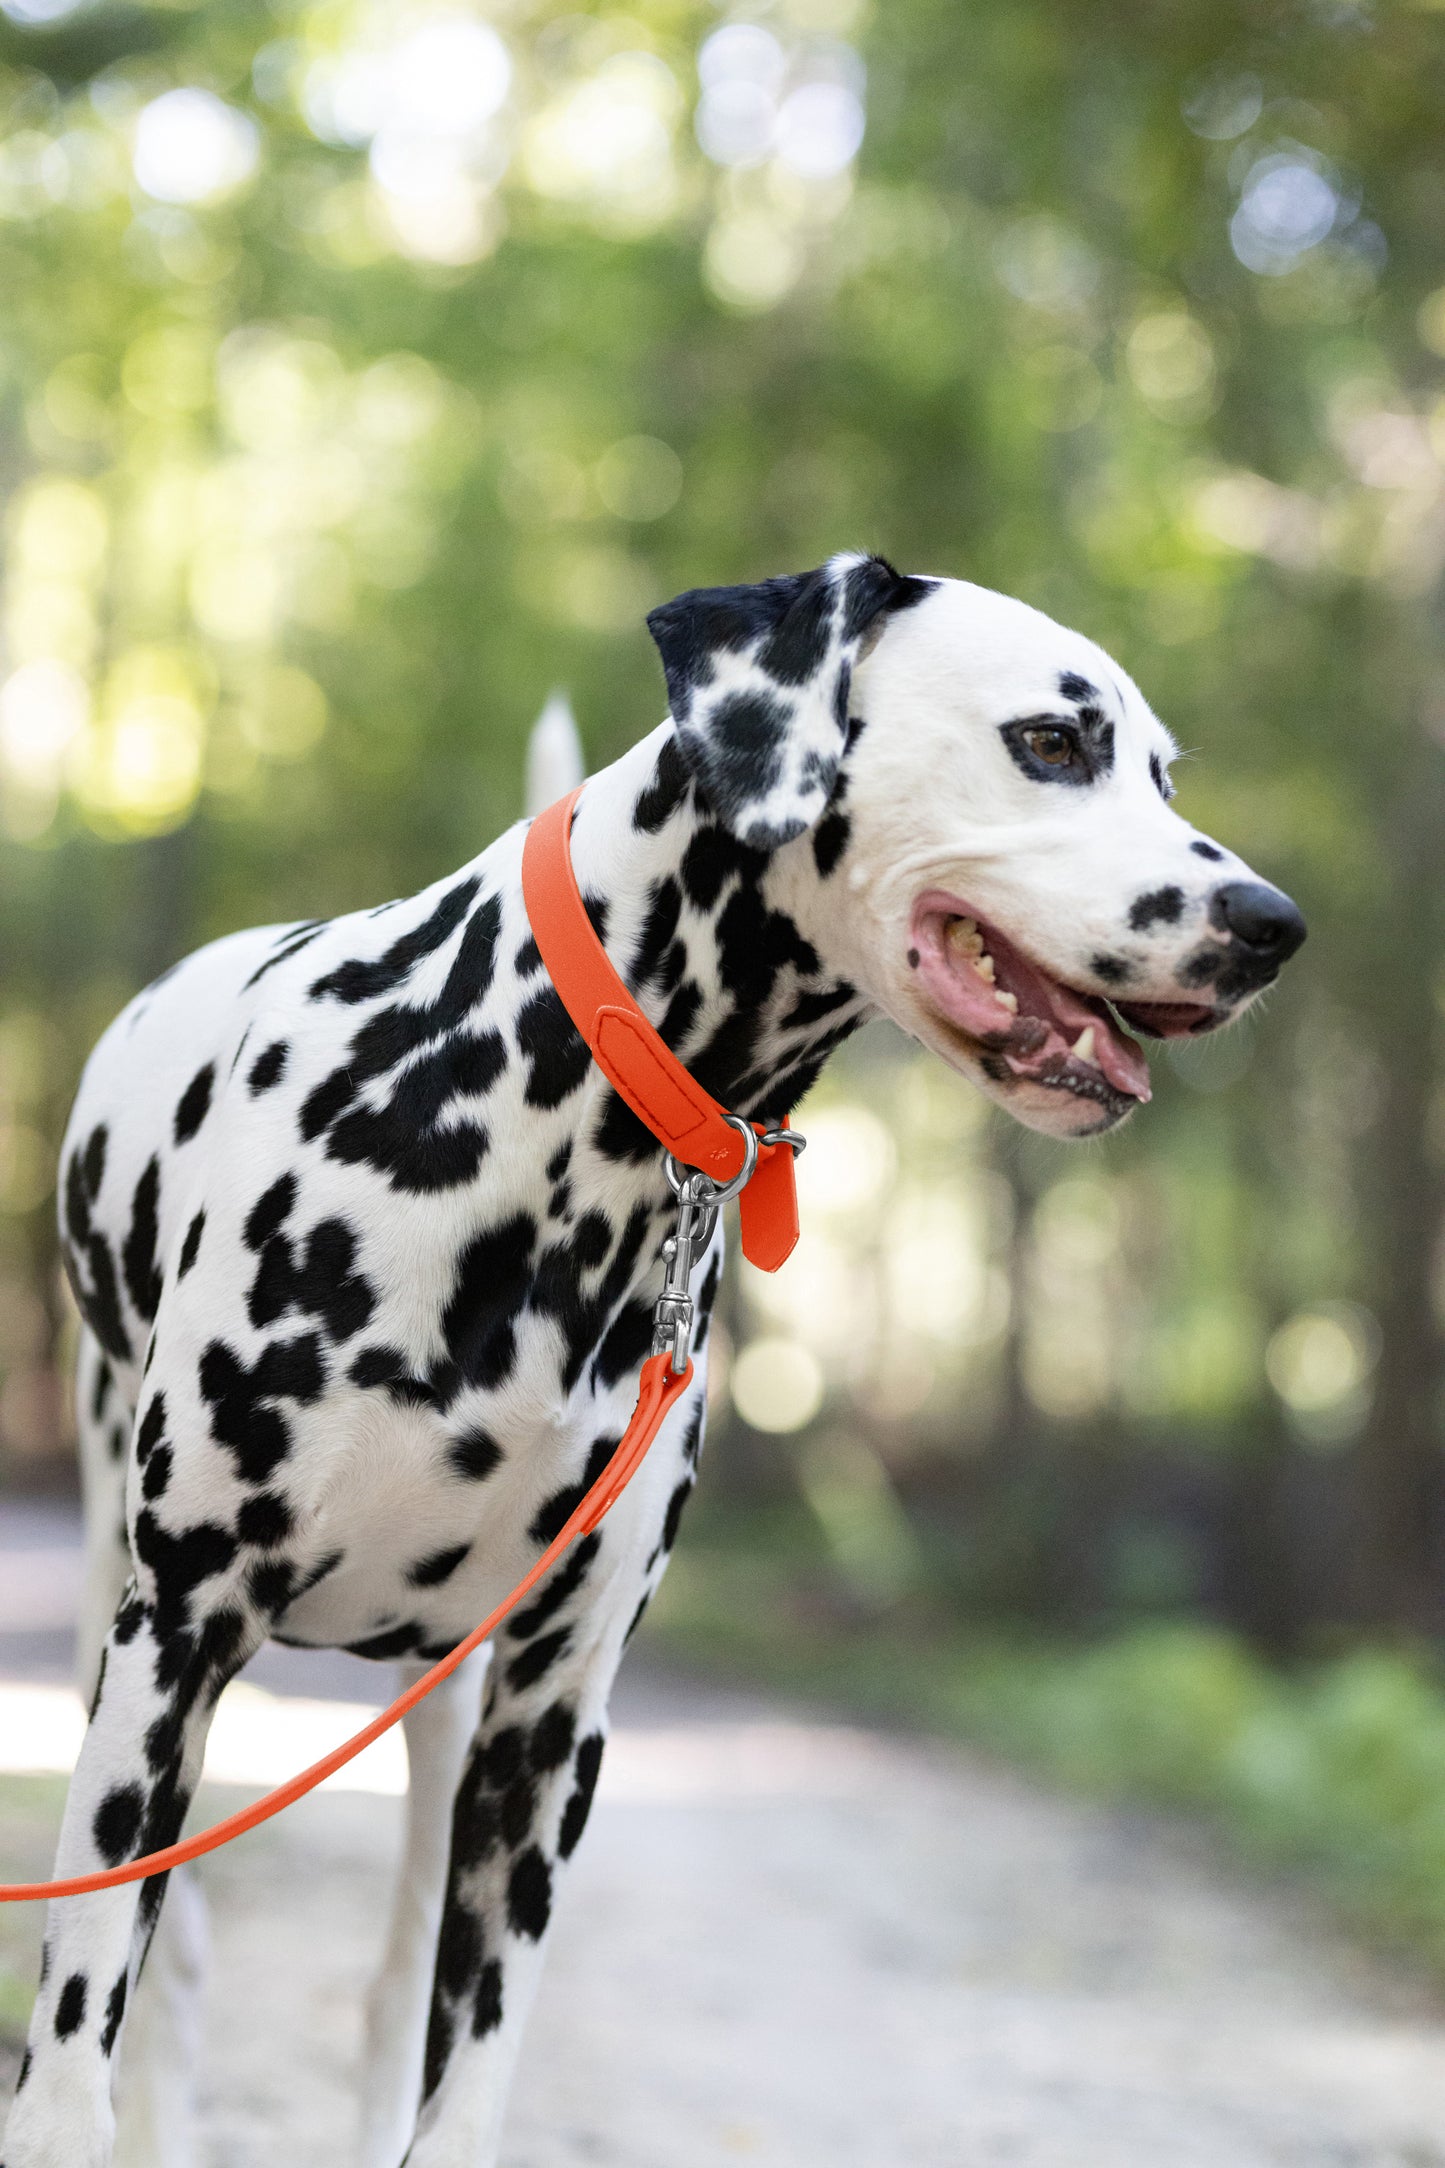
366,1249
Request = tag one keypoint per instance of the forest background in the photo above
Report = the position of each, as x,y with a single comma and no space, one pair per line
367,370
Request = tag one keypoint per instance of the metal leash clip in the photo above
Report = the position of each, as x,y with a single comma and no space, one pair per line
699,1200
674,1312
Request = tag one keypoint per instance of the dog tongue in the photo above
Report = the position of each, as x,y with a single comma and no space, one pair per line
1050,1017
1121,1058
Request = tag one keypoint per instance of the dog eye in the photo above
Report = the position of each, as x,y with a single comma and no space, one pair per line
1055,748
1049,751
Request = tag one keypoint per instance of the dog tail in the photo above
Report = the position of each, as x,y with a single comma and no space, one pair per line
554,755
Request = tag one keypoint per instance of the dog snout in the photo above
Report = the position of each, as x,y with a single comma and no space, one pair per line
1260,919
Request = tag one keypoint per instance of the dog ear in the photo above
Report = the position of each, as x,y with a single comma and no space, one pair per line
758,679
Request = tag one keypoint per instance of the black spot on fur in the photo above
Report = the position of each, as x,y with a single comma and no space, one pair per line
264,1520
383,1648
665,793
830,840
364,981
579,1806
1202,968
682,1014
150,1428
552,1737
537,1659
563,1582
1159,778
190,1248
626,1344
675,1506
322,1284
439,1566
142,1275
619,1134
591,1239
403,1138
117,1822
194,1103
271,1586
388,1367
598,912
438,2048
158,1473
550,1519
489,1290
459,1950
1113,970
811,1008
659,929
558,1164
93,1163
528,959
70,2009
1210,851
710,858
242,1416
518,1807
87,1255
487,2007
325,1101
555,1051
291,943
268,1068
474,1455
476,1821
1161,907
1076,688
705,1301
114,2012
271,1210
529,1895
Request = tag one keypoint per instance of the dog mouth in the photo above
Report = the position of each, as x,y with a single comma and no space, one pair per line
1030,1026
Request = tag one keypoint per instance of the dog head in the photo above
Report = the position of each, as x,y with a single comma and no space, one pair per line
969,806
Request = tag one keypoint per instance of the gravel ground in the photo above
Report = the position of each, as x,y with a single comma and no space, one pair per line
790,1944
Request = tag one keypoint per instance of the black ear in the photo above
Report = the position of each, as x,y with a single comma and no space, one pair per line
758,680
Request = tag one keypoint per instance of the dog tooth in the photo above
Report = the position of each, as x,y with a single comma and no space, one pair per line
983,965
964,936
1083,1048
1006,1001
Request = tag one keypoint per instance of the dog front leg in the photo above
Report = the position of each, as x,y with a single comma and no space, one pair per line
520,1808
138,1766
438,1732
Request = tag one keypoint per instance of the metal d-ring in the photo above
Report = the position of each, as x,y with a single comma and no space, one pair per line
721,1191
790,1137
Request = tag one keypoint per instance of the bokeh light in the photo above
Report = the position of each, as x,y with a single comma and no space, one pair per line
191,147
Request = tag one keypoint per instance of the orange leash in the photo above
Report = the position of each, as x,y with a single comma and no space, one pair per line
755,1166
661,1386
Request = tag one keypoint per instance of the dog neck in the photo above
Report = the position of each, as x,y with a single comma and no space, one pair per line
709,934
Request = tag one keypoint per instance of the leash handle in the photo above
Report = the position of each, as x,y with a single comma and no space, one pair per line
660,1387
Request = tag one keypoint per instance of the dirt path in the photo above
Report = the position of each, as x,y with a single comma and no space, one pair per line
789,1945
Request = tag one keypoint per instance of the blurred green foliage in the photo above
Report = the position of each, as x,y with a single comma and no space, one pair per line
1337,1767
368,367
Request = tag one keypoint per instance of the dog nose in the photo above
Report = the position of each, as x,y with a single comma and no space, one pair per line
1260,918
